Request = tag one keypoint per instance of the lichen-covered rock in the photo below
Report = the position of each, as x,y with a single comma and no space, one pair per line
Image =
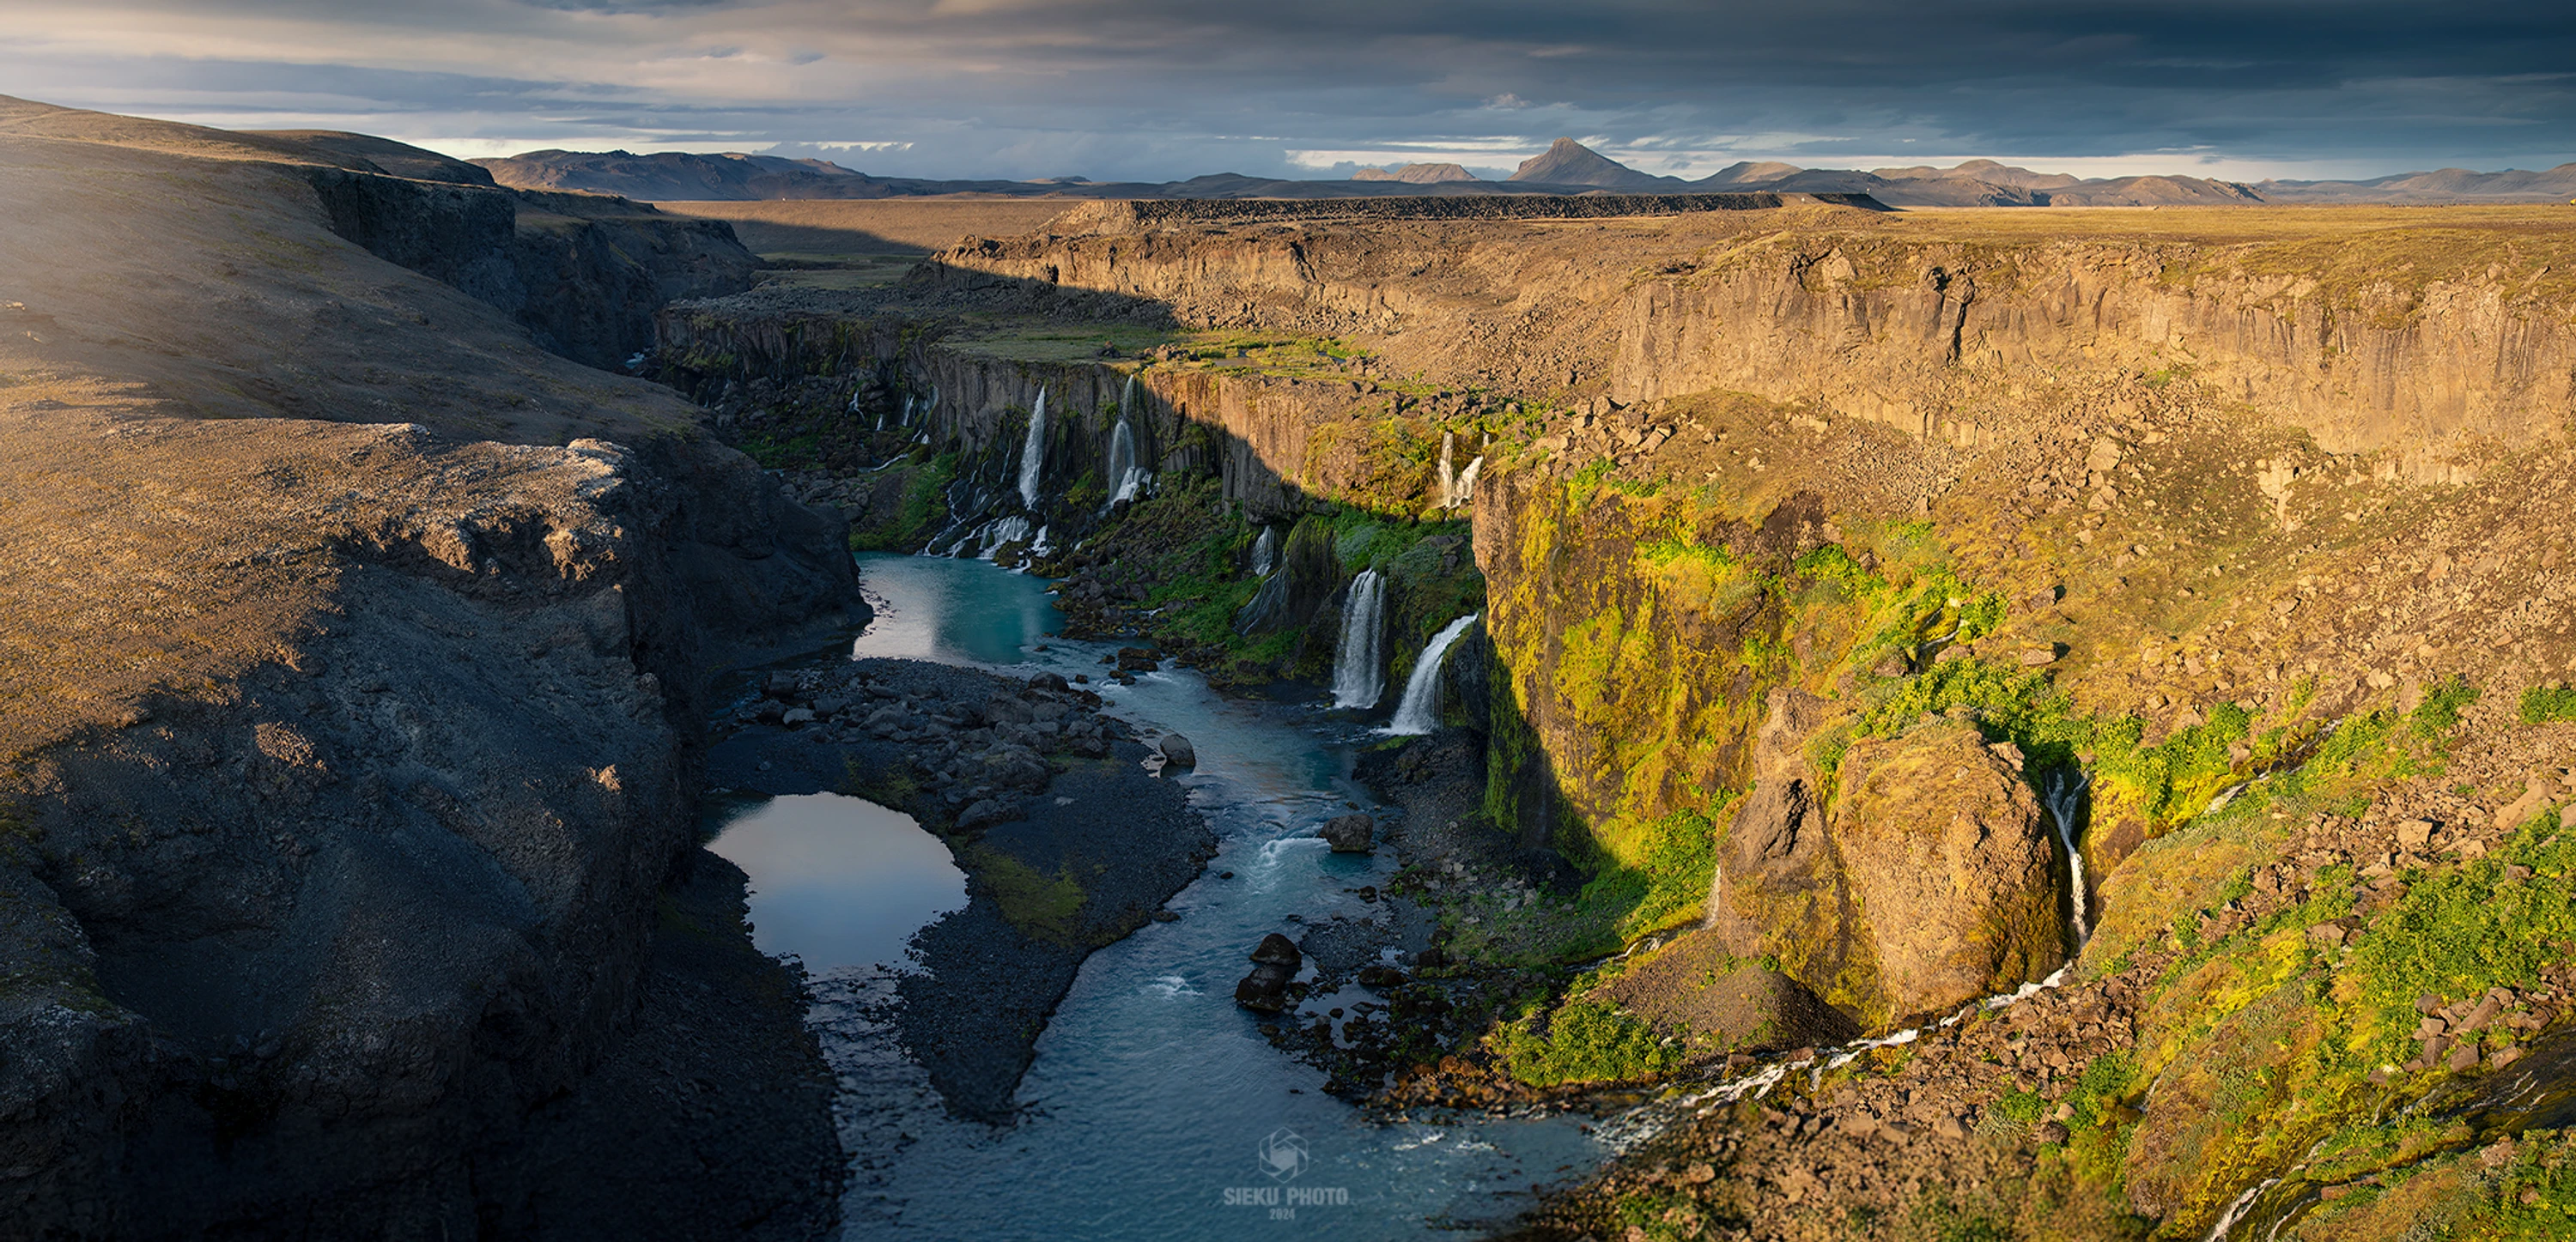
1948,859
1724,1003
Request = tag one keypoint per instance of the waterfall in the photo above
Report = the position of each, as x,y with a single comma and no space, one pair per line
1357,681
2064,794
1033,454
1128,477
1457,487
1265,552
1418,712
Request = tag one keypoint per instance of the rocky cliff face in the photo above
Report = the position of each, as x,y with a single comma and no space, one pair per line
2428,344
584,273
346,761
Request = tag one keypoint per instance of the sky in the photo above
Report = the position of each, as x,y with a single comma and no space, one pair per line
1163,89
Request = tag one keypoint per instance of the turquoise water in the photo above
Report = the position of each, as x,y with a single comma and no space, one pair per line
1153,1095
952,611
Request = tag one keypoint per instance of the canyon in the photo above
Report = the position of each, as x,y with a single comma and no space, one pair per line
2045,723
2157,555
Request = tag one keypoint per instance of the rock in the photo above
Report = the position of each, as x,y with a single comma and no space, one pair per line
795,716
1003,710
2464,1057
1943,844
1137,660
1015,767
2505,1057
986,813
2049,1132
1265,990
1948,1127
1048,681
2037,657
1350,834
1695,986
2414,834
1382,977
1177,751
1278,950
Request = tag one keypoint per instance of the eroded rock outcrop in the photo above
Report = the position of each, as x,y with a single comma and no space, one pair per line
1924,884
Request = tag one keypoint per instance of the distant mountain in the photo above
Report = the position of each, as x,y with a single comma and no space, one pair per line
1747,172
1417,174
2443,185
1567,162
680,175
1566,166
1985,183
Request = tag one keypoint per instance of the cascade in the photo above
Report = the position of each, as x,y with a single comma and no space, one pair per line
1457,487
1033,454
1418,712
2065,797
1357,681
1265,552
1127,477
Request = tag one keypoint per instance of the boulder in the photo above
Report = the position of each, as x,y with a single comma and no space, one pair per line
1048,681
1350,834
1278,950
1015,767
1265,990
1382,977
1138,660
1275,962
1945,850
1697,989
1177,751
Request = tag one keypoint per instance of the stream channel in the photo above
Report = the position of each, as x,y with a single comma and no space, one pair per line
1155,1109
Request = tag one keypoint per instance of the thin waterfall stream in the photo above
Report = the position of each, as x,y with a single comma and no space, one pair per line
1033,454
1418,712
1359,663
2064,795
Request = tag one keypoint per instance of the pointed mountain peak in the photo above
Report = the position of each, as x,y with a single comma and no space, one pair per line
1567,162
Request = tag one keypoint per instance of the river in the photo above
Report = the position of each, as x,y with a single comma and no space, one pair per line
1154,1109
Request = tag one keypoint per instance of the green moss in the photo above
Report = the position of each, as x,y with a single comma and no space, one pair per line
2462,931
923,509
1046,907
2549,704
1582,1041
797,452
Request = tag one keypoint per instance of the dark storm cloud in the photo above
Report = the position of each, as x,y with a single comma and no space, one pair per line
1156,88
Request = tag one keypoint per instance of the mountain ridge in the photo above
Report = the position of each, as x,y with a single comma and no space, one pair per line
1567,166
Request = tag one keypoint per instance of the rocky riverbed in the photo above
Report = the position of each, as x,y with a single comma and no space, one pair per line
1056,812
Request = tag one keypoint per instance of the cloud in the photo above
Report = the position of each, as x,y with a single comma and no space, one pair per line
1152,89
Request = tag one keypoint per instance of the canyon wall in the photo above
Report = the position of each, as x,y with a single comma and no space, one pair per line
346,756
583,272
2428,344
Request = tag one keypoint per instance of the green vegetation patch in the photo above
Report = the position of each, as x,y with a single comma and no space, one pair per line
1581,1041
1047,907
2549,704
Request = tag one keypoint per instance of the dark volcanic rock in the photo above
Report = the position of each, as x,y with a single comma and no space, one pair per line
1178,752
1277,950
1350,834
